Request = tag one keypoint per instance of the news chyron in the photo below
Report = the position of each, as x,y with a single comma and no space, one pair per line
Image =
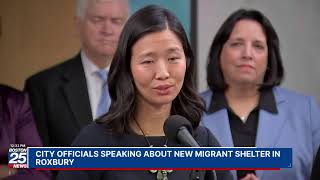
17,156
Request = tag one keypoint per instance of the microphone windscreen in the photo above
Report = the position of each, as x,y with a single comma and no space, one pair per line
173,124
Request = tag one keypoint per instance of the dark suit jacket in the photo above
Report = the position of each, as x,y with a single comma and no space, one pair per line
315,174
60,102
17,127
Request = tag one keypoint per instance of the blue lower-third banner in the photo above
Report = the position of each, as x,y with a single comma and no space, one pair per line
152,158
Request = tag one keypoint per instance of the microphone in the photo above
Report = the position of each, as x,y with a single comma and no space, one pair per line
178,128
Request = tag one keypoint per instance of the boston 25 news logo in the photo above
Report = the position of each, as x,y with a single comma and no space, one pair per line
17,156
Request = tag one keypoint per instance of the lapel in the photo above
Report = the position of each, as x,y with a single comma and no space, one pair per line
270,125
76,93
268,132
218,123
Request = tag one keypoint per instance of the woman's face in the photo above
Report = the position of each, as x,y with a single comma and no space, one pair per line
158,66
244,55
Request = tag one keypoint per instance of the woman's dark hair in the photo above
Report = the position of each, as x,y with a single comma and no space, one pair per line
122,90
274,73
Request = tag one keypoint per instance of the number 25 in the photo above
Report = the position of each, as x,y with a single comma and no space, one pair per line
19,158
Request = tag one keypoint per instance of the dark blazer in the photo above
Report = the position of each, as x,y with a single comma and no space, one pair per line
17,127
315,174
60,102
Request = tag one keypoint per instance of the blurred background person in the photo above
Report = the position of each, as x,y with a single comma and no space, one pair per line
17,127
151,78
70,95
245,106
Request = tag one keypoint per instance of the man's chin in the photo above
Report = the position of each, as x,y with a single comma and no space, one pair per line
107,52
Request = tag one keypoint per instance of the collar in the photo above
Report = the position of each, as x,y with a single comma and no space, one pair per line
266,102
89,67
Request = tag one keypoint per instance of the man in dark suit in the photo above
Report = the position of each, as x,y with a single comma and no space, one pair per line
67,96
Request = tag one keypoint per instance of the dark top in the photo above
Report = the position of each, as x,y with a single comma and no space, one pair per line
244,134
17,127
315,174
60,102
95,135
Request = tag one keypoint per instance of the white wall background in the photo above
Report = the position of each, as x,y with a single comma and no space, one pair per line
297,23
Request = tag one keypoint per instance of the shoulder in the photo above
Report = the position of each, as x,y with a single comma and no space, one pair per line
11,94
8,90
15,106
289,94
93,134
293,98
205,138
52,73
